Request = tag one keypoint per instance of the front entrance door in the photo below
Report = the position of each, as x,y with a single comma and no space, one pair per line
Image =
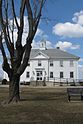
39,75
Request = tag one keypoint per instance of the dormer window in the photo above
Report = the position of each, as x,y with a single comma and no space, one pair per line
39,62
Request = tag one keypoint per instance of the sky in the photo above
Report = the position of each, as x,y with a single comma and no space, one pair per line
64,27
61,26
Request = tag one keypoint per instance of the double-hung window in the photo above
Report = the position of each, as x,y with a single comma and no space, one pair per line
39,62
51,74
27,74
61,63
51,63
61,74
71,74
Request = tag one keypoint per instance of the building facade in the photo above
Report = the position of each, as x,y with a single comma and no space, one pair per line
50,65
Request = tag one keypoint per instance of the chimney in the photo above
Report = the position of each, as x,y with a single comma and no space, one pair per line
58,47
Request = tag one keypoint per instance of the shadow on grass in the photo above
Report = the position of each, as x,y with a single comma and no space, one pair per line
45,97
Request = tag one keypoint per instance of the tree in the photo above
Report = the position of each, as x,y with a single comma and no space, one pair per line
19,54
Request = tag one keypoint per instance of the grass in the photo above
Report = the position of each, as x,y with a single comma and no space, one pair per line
41,106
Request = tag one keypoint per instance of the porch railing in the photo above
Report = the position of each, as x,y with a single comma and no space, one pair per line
64,81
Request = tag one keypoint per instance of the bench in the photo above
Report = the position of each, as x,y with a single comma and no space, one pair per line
75,92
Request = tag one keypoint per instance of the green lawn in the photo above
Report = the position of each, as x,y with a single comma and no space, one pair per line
41,106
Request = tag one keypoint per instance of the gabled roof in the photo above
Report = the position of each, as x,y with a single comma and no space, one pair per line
53,54
38,53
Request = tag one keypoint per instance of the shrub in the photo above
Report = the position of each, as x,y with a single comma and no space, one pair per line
81,83
27,83
72,84
4,81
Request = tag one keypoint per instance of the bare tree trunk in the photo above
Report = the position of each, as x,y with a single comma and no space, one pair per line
19,54
14,89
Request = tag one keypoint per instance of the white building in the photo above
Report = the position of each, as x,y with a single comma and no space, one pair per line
50,65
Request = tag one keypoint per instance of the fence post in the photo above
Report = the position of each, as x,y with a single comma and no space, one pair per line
44,81
54,82
67,82
36,82
60,82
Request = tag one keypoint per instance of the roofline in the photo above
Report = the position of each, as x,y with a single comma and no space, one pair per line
55,58
74,56
40,51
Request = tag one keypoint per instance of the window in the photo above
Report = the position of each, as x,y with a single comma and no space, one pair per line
39,63
71,63
51,74
51,63
28,74
28,63
71,75
39,53
61,63
61,74
39,75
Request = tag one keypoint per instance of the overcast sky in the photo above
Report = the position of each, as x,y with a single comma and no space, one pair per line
61,25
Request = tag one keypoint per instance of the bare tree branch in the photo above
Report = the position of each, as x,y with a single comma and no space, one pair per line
20,31
4,26
1,47
14,14
7,23
6,66
19,55
30,17
32,31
